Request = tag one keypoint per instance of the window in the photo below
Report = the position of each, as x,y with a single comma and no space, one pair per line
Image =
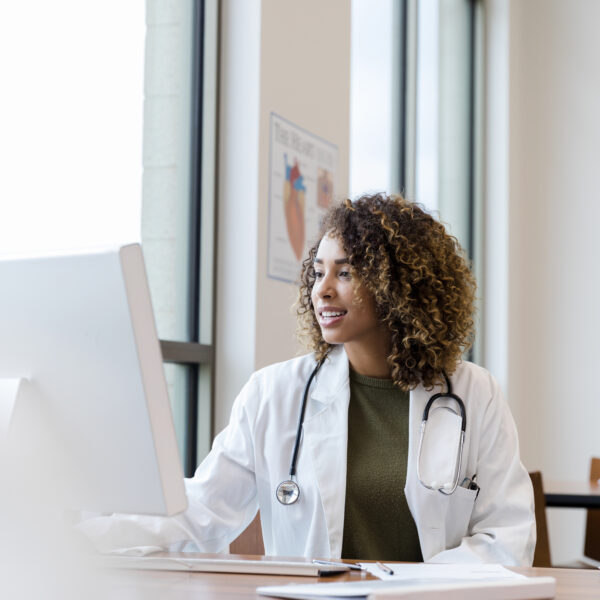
71,154
375,93
447,116
445,113
178,210
416,108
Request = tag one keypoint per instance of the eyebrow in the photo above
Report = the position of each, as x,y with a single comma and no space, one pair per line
337,261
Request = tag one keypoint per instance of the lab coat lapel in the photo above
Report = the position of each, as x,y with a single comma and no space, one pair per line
326,434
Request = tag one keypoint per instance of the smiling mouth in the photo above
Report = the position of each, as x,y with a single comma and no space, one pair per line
330,318
331,314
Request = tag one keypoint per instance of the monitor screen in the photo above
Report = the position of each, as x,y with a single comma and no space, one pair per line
81,376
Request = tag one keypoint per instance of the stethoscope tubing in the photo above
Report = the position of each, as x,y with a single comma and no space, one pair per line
301,418
448,394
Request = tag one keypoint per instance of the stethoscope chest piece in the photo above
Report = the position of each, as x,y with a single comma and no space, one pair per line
288,492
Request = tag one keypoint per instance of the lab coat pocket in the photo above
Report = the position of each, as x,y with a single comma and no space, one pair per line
460,508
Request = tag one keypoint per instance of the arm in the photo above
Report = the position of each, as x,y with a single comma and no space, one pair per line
221,495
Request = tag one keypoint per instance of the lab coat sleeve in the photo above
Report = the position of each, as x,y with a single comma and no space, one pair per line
222,497
502,524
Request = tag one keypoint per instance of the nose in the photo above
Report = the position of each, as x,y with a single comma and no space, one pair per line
325,287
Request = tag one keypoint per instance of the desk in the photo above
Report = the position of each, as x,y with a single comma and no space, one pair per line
572,584
572,494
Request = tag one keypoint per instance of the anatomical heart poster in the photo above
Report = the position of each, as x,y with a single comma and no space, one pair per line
303,170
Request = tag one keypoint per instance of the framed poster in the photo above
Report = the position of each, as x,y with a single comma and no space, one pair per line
303,172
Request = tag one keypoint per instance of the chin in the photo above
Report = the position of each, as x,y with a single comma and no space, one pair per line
331,338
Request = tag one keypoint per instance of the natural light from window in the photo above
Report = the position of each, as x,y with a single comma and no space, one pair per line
71,123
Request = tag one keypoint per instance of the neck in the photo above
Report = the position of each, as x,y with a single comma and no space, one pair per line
369,357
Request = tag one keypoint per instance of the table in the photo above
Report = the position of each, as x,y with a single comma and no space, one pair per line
572,584
572,494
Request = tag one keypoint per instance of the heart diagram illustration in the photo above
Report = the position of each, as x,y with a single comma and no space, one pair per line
294,193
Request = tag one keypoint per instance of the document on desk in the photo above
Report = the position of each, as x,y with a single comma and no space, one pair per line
424,582
431,571
179,562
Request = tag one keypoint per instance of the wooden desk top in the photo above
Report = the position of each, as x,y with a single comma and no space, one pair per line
572,584
572,494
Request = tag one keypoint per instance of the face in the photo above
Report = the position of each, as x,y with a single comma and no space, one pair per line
344,309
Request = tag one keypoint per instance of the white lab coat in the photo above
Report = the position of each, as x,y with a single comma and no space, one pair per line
252,456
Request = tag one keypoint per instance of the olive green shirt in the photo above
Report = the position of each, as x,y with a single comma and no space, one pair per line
377,522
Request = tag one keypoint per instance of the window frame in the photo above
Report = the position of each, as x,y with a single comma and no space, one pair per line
199,358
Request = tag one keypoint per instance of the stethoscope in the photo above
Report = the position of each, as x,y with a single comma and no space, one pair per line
288,492
448,487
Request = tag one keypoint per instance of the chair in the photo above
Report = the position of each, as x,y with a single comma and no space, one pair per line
541,557
592,527
592,530
250,541
591,548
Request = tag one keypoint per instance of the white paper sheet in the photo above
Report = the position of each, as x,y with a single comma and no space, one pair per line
527,588
192,563
433,572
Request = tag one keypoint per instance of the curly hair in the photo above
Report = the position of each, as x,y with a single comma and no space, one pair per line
421,283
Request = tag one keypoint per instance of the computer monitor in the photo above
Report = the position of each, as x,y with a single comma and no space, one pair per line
80,359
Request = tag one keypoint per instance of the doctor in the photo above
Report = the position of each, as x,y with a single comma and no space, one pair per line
386,304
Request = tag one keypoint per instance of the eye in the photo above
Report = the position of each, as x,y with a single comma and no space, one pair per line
318,274
345,274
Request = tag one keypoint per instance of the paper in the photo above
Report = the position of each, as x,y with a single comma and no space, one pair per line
447,572
527,588
136,551
179,562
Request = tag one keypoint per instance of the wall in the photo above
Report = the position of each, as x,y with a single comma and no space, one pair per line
552,288
274,58
305,77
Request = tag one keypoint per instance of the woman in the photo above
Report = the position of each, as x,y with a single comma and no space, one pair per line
386,303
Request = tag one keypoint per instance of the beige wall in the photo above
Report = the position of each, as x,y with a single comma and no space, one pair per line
294,60
549,173
305,77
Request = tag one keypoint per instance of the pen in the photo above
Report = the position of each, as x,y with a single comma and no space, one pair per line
469,483
384,568
338,564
